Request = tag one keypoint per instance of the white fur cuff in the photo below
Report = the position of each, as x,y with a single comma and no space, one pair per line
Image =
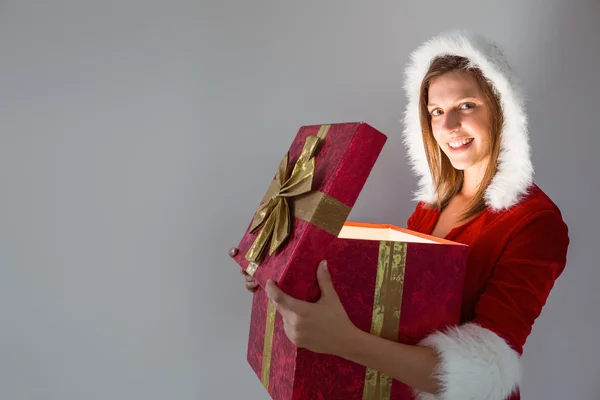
475,364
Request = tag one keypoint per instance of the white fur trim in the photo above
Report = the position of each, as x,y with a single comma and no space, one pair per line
475,364
515,171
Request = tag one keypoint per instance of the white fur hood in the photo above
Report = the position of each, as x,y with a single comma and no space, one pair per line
515,171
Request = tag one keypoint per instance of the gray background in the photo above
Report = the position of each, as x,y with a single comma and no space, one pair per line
137,137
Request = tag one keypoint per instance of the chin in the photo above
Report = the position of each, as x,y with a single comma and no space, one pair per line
461,165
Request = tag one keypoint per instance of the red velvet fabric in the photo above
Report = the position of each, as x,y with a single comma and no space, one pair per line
514,259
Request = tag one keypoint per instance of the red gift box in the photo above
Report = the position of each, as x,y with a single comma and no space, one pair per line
394,283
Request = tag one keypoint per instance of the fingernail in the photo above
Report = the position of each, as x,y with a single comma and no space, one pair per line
233,251
324,265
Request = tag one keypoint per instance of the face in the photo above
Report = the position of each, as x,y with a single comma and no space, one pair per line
460,120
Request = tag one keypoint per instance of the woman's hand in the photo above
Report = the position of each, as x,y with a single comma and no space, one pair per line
251,284
321,327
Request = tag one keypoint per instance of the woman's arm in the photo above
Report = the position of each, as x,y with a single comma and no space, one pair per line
412,365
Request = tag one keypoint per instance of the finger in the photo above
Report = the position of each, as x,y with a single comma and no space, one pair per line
324,280
248,278
233,252
284,303
274,294
251,286
277,296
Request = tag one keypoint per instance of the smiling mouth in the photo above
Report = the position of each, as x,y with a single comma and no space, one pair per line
460,144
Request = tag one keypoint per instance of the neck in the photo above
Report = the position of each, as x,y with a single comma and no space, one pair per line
473,177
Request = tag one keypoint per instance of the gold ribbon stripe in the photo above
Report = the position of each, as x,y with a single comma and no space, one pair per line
386,311
268,345
251,268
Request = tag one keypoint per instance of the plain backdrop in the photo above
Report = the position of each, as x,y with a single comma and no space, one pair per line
137,138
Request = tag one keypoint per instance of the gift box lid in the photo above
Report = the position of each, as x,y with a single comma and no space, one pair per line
316,185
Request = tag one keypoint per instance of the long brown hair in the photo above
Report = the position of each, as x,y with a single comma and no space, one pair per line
448,180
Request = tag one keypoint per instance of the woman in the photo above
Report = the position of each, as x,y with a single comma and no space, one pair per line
466,134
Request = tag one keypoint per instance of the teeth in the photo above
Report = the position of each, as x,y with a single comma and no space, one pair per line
457,143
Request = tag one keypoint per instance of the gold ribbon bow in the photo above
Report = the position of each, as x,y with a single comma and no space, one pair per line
274,216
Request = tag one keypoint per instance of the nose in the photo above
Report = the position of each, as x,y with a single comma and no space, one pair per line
451,122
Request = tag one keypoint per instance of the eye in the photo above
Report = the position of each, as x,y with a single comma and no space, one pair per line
436,112
467,106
